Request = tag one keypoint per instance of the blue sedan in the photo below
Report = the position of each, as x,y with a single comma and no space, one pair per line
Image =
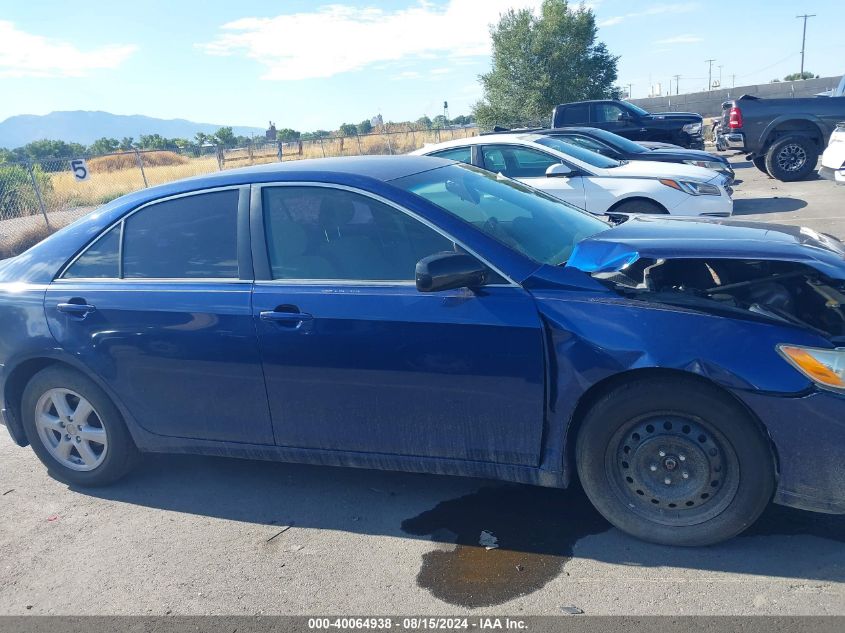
412,313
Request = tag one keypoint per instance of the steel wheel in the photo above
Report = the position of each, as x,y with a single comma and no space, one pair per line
672,470
71,430
791,158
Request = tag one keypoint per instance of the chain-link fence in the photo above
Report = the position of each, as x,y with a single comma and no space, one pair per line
39,197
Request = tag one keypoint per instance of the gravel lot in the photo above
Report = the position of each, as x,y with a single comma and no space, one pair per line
194,535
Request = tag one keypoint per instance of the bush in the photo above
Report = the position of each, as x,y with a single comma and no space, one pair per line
120,162
17,197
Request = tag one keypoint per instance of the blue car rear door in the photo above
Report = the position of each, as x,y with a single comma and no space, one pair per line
159,308
356,359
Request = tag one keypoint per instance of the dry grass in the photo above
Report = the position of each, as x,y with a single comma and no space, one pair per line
117,175
25,240
120,162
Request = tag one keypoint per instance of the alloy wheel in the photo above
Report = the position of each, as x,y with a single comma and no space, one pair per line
71,430
792,157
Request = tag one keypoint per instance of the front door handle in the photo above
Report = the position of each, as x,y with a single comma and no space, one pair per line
294,318
76,309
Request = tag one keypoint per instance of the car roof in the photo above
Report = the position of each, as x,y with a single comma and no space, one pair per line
518,138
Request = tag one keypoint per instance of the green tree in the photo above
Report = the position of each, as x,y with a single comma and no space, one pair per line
225,136
202,138
424,122
288,135
43,149
153,141
799,76
365,127
127,143
104,145
462,119
440,122
348,129
542,60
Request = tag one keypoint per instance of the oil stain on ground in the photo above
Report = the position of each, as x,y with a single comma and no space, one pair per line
535,528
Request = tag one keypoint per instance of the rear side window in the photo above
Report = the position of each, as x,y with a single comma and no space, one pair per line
100,261
517,162
184,238
460,154
576,114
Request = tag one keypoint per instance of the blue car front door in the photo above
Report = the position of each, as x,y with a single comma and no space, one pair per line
356,359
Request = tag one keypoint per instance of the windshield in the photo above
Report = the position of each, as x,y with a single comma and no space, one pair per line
578,153
619,142
636,109
533,223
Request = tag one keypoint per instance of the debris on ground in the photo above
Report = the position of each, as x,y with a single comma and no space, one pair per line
487,540
8,491
53,517
571,610
280,532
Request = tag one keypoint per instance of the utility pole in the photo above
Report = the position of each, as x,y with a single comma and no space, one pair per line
733,81
710,74
804,38
630,89
677,84
720,76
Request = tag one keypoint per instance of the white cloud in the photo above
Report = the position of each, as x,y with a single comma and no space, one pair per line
23,54
338,38
681,39
657,9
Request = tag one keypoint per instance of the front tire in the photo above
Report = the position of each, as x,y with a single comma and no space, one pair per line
674,462
792,158
75,429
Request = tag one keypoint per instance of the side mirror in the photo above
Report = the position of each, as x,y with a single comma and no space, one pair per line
625,116
558,170
447,271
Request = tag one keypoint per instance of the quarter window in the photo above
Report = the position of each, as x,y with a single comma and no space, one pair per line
100,261
460,154
576,114
319,233
183,238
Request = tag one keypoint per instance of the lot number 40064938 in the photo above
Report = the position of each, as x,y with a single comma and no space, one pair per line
79,169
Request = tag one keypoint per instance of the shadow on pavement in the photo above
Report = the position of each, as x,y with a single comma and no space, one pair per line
774,204
531,532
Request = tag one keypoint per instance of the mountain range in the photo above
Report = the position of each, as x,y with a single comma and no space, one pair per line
85,127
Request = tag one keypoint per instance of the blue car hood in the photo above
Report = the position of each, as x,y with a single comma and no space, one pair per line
679,238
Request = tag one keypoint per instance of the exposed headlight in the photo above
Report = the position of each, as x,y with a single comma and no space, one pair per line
692,188
838,135
825,367
715,165
692,128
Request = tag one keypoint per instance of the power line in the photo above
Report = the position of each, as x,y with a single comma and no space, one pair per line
804,39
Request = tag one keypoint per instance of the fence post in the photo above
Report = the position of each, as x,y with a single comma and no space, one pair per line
280,151
38,194
360,151
322,149
389,146
219,150
140,162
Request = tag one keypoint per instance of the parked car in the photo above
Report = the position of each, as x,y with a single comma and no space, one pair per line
599,184
412,313
783,137
621,148
833,159
631,121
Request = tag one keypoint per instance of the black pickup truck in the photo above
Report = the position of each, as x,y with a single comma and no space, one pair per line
632,122
783,137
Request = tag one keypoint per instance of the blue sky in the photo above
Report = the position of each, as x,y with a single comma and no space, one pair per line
311,65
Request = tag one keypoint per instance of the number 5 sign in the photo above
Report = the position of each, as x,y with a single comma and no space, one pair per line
79,169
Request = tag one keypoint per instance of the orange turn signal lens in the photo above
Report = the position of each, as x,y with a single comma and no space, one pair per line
671,183
823,366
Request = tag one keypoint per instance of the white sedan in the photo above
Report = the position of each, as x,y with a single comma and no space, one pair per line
591,181
833,159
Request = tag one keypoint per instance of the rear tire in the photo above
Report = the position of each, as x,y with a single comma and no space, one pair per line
760,163
639,206
675,462
792,158
75,429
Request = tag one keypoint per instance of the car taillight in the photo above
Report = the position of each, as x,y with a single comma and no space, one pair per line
735,120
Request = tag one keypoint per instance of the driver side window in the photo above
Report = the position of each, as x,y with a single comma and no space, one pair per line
517,162
608,113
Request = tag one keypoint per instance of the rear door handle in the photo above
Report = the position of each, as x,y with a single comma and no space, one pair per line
76,309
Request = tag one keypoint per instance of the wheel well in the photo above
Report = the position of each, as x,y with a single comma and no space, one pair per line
15,385
616,205
601,388
800,127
